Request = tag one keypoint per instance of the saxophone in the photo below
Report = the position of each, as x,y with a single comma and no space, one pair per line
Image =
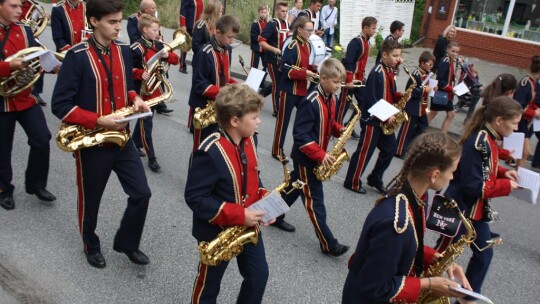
71,138
206,116
230,242
401,117
341,155
448,257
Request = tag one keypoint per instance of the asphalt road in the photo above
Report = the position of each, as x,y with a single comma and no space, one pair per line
40,241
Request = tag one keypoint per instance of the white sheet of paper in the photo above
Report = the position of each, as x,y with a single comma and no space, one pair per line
472,294
383,110
514,142
536,125
529,181
155,58
433,83
48,62
461,89
134,116
272,204
35,55
255,78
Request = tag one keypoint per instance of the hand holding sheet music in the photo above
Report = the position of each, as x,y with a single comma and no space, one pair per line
383,110
272,204
529,182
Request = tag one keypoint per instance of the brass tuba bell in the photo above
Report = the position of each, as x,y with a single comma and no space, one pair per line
21,80
155,66
36,18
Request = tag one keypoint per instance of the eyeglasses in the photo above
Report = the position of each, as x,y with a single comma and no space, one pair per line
309,30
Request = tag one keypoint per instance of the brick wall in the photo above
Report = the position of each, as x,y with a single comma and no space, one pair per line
480,45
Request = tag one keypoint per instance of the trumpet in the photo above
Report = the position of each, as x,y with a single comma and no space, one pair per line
314,79
356,84
36,18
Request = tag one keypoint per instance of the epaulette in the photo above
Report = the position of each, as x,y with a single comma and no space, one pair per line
313,96
526,80
134,15
209,141
292,44
416,73
208,48
81,46
446,59
256,21
401,217
136,45
379,68
200,24
480,141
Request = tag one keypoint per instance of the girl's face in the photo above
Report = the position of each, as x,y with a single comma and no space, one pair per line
451,33
506,127
453,52
439,179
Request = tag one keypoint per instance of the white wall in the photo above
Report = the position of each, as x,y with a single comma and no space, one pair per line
352,12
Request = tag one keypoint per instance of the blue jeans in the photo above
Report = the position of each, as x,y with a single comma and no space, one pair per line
328,38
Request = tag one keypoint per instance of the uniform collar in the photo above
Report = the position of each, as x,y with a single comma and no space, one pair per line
146,43
5,27
229,138
362,35
422,71
71,5
216,45
323,93
302,41
103,49
491,132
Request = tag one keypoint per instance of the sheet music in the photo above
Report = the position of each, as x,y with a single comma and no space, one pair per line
461,89
156,57
272,204
472,294
433,83
514,144
35,55
536,125
383,110
255,78
48,61
134,116
529,181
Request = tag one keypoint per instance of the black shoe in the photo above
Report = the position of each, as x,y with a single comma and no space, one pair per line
283,225
7,203
41,101
96,259
274,114
135,256
42,194
359,190
164,110
399,156
377,186
338,250
183,70
141,152
153,164
355,135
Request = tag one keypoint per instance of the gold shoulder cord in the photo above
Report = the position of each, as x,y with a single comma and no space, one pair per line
399,197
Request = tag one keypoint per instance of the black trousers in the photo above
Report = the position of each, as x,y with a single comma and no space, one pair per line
94,166
142,135
33,122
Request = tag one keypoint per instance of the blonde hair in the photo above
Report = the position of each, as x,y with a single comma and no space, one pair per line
333,68
146,20
211,13
447,29
236,100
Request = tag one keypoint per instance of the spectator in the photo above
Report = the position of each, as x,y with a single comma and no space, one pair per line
293,13
329,14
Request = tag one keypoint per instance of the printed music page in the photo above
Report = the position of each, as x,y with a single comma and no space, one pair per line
433,83
134,116
514,144
35,55
529,183
255,78
383,110
536,125
272,204
472,294
461,89
48,62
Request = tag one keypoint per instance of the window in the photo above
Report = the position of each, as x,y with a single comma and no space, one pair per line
511,18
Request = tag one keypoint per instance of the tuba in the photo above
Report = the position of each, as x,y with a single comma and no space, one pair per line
36,18
155,66
448,257
206,116
23,79
341,155
401,117
230,242
71,138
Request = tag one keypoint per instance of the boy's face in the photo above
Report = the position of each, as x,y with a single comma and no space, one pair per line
453,52
399,33
392,58
151,32
225,39
330,85
108,27
370,30
315,7
263,14
10,11
281,12
426,66
247,124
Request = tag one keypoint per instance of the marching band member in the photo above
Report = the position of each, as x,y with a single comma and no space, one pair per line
222,182
190,13
416,106
213,71
480,178
397,28
355,62
22,108
381,84
313,127
256,29
312,13
68,24
294,80
271,41
391,255
528,95
95,80
144,49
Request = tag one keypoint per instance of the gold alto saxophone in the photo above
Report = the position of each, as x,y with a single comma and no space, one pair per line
203,117
448,257
71,138
401,117
230,242
340,155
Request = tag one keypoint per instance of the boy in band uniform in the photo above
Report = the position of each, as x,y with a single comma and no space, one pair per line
95,80
355,63
213,71
313,127
256,29
271,41
222,182
313,14
144,49
416,106
397,28
22,108
381,84
68,23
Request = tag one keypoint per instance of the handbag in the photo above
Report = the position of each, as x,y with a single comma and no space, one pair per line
443,218
440,98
